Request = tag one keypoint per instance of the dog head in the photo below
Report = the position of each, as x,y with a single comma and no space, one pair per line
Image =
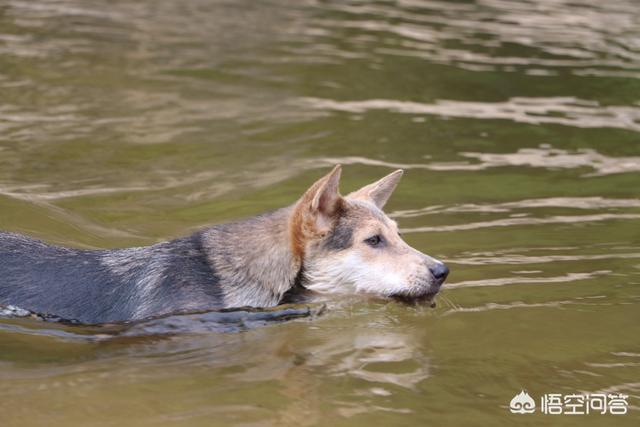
348,244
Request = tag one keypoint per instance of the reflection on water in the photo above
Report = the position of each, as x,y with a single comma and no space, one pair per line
562,111
554,158
507,222
378,361
128,122
590,38
542,157
587,203
513,280
233,320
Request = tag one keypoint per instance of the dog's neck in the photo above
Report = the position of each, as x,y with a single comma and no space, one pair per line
253,259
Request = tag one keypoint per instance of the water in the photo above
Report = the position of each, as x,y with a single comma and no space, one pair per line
128,122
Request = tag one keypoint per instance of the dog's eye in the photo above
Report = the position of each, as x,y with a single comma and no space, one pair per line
374,241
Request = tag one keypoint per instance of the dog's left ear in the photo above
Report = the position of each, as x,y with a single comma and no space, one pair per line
380,191
321,202
327,195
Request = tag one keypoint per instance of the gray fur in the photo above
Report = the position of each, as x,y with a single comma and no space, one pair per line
342,236
247,263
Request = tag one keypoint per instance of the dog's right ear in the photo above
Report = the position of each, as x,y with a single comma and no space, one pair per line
380,191
320,203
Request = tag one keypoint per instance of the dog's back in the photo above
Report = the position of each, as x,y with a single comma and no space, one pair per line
105,285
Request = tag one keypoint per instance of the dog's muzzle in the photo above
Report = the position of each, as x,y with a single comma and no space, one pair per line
439,273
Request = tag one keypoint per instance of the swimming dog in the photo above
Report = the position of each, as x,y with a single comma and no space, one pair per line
324,242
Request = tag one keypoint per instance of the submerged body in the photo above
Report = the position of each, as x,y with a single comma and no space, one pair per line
185,274
324,242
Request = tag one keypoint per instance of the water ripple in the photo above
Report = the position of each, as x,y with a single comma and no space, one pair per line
583,37
551,158
516,280
524,259
549,202
508,222
567,111
544,156
496,306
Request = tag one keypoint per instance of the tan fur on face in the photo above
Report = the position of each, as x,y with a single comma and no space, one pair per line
393,268
329,233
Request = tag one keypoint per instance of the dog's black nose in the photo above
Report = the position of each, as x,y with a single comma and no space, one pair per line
439,271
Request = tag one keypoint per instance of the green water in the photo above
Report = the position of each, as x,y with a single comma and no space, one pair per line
518,124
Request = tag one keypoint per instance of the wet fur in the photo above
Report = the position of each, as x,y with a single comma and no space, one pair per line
316,244
246,263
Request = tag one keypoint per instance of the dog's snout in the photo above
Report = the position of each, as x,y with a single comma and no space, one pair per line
439,271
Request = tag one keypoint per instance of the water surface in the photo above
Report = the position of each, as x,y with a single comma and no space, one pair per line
517,122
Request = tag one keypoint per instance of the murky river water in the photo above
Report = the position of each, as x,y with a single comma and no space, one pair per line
517,122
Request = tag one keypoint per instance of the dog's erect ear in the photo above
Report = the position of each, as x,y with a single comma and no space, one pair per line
327,196
322,201
380,191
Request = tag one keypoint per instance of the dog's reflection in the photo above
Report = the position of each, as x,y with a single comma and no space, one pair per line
355,369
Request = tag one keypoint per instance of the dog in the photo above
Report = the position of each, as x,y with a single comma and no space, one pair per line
323,243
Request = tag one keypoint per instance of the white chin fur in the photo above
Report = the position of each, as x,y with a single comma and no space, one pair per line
349,274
